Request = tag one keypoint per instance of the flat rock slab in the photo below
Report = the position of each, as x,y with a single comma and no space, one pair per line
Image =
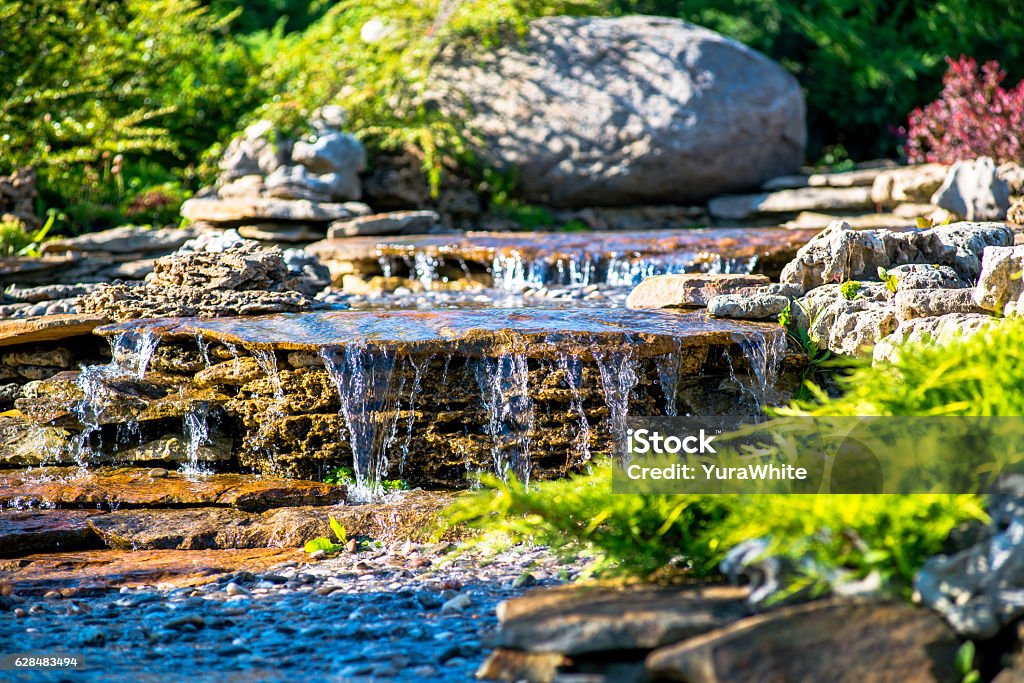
575,620
688,290
537,332
264,208
738,207
394,223
23,532
821,641
97,571
409,516
47,328
134,488
124,240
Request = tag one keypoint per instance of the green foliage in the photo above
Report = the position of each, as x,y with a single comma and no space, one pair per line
257,15
850,289
817,356
879,58
87,81
15,240
374,58
965,663
341,476
645,535
326,544
891,281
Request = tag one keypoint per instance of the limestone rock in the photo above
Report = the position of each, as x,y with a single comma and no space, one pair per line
978,589
847,327
840,253
172,449
741,307
1015,214
974,191
18,197
925,276
245,187
850,642
630,110
338,155
857,178
124,240
244,280
925,303
394,223
687,289
1000,286
235,210
907,184
738,207
49,328
1013,174
25,444
936,330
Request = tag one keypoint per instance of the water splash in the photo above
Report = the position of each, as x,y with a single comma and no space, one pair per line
668,368
572,368
363,375
763,354
618,378
504,389
196,429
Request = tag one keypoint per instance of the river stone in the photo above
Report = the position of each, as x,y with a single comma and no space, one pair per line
127,487
1000,286
925,303
691,290
840,253
394,223
978,589
335,155
850,641
45,293
935,330
974,191
908,184
238,209
24,532
741,307
738,207
99,571
629,110
576,620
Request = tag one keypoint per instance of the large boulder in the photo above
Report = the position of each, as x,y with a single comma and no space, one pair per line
602,111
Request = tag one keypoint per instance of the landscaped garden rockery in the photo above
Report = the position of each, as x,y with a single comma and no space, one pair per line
325,327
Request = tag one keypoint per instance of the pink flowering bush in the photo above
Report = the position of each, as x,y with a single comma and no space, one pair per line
974,116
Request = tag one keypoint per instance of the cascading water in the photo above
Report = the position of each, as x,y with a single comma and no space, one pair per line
196,428
618,377
763,354
131,352
505,393
572,367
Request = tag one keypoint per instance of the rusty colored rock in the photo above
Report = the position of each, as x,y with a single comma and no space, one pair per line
133,488
98,571
515,665
820,641
23,532
689,290
48,328
411,515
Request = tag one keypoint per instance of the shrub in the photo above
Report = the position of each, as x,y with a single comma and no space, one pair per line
974,116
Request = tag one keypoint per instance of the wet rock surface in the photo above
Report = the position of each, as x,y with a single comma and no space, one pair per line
127,487
689,290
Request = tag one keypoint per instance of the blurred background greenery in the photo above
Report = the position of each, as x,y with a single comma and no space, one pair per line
122,105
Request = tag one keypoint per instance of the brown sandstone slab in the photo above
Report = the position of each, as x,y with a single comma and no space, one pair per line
408,516
688,290
576,620
98,571
23,532
134,488
820,641
47,328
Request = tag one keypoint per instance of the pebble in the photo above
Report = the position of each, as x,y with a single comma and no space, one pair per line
234,589
456,604
158,473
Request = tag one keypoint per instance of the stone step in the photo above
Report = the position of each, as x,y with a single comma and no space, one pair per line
98,571
119,488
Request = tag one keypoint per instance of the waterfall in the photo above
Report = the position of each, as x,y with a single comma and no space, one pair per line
504,389
763,354
618,378
572,367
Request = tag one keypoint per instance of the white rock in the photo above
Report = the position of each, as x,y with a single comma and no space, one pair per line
974,190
